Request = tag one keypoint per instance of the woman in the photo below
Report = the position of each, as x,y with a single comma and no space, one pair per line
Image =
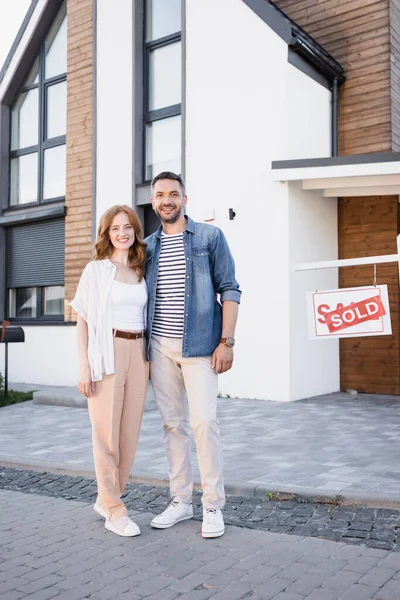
111,304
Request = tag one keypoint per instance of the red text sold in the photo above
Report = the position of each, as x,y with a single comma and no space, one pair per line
354,314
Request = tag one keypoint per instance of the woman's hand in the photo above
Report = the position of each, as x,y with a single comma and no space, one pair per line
85,384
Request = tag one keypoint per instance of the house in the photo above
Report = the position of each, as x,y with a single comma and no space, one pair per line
248,99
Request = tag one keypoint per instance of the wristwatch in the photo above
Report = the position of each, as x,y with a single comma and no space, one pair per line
228,341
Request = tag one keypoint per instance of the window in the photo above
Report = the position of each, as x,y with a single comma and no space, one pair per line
163,87
38,124
35,271
37,303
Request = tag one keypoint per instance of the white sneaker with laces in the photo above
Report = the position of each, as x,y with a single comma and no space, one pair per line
176,512
213,523
100,511
123,526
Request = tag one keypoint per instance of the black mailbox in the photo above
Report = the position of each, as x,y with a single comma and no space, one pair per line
9,334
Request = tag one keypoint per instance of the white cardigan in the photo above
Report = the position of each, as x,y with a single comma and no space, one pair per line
93,303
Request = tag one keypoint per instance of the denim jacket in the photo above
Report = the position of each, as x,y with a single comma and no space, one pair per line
210,270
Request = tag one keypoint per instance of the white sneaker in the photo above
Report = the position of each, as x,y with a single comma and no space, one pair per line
176,511
213,523
123,526
100,511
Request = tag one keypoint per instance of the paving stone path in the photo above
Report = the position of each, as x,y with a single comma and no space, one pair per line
374,527
55,548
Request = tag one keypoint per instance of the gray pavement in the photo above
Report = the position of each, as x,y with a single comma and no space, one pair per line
54,548
372,527
329,445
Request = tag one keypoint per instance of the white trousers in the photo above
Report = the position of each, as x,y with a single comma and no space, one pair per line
186,392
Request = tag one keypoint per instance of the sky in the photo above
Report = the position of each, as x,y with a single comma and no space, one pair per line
12,14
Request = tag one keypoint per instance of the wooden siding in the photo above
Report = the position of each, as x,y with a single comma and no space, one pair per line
368,227
78,222
357,34
395,72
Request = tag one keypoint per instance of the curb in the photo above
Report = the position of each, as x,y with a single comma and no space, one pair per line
232,488
75,399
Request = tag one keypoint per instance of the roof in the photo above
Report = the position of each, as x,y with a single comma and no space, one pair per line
298,40
342,176
18,38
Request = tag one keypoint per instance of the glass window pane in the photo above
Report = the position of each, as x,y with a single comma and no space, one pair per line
56,47
163,17
24,179
163,146
23,303
56,110
25,115
165,76
54,172
54,300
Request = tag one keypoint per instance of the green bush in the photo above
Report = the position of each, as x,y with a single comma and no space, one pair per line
12,397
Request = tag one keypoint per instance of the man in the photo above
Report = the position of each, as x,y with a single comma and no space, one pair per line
190,341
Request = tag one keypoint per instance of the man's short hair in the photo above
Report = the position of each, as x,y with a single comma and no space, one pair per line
168,175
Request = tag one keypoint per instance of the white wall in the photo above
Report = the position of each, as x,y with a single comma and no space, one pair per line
309,116
314,364
246,106
48,357
236,124
114,104
314,367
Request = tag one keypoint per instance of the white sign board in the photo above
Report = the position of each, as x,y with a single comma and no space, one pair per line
349,312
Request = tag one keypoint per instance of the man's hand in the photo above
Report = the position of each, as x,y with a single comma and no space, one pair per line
222,359
85,384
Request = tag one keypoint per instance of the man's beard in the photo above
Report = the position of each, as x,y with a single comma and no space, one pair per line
173,218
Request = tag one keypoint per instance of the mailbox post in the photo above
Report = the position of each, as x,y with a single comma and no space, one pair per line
9,334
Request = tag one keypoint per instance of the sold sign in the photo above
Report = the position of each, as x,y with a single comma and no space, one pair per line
349,312
354,314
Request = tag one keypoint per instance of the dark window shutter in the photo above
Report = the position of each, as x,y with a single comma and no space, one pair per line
36,254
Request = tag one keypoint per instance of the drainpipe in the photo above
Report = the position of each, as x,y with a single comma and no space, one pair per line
335,117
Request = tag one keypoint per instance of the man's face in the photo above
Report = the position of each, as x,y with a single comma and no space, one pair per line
168,200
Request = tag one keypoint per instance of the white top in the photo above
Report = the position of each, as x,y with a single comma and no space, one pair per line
93,303
128,303
170,293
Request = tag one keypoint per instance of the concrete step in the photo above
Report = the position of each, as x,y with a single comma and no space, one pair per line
69,396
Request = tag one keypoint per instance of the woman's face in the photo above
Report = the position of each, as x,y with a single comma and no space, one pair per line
121,232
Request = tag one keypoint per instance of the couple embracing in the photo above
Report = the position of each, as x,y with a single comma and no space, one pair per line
156,300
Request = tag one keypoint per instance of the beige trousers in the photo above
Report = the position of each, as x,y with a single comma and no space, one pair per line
186,392
116,411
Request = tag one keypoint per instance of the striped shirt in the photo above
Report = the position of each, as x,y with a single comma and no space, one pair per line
170,294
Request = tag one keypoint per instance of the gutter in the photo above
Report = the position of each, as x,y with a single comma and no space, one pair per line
326,65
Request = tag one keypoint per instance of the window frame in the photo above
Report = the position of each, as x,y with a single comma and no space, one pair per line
41,317
150,116
43,143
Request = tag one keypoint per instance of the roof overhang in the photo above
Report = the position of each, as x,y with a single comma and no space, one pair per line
37,21
359,175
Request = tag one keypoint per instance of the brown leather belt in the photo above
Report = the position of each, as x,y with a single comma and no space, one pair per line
128,335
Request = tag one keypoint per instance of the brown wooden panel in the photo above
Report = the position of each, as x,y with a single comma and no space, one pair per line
395,72
78,222
368,226
363,35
